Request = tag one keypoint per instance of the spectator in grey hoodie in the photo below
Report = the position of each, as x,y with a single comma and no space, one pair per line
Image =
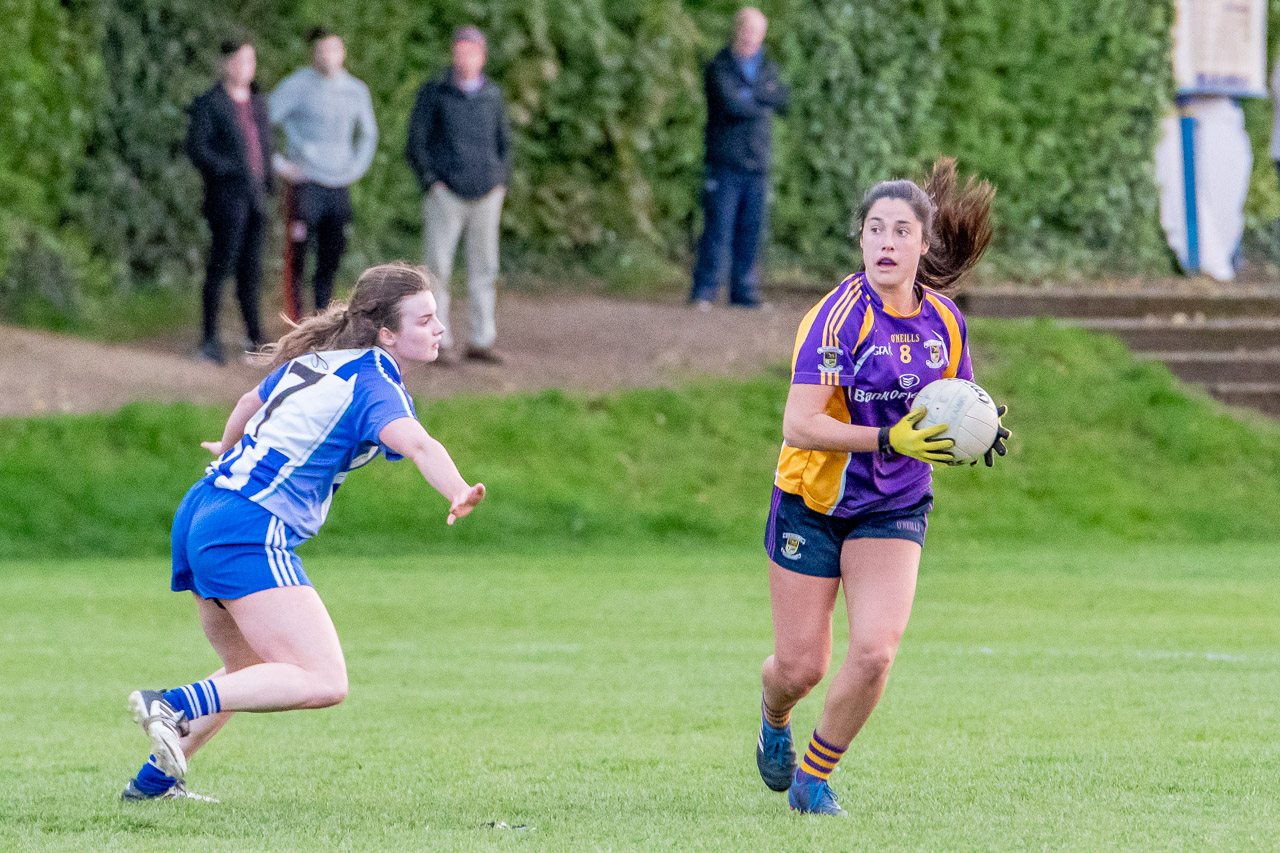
459,147
330,135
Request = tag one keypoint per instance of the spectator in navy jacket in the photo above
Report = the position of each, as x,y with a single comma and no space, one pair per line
229,141
459,147
743,93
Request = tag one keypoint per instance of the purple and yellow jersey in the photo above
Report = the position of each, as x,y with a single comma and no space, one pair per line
879,360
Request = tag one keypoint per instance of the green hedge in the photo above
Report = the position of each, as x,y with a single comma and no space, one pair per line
1056,103
47,78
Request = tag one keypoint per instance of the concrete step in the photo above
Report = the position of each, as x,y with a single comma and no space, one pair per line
1212,367
1028,302
1215,335
1262,396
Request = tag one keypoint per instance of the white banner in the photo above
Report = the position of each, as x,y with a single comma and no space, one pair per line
1220,47
1222,160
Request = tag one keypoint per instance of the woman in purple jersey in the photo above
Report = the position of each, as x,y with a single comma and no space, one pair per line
852,492
333,403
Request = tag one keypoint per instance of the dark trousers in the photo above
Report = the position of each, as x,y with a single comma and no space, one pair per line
320,215
237,225
733,204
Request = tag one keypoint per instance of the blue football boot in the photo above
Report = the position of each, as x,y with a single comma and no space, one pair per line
776,757
814,796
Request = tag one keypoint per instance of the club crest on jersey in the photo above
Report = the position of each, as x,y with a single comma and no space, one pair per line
791,545
908,380
830,359
937,352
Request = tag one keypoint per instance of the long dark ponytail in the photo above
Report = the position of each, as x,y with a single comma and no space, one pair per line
374,305
956,220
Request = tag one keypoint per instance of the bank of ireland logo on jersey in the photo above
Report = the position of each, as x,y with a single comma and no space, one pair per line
791,543
937,352
830,359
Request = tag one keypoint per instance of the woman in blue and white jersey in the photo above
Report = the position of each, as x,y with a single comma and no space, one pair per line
334,401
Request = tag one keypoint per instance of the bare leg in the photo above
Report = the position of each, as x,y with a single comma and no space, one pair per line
802,608
879,585
289,630
235,653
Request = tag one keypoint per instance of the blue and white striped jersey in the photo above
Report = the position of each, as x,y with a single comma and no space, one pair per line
321,417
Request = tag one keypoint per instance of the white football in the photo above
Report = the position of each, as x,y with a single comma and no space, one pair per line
968,412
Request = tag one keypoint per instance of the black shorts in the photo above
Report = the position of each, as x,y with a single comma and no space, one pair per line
315,203
809,542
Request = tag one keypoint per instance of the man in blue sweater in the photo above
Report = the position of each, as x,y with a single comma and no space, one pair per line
331,135
743,93
459,147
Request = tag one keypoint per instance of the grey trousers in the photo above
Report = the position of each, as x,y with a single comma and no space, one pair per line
446,218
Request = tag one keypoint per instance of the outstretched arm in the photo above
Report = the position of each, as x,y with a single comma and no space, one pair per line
246,407
407,437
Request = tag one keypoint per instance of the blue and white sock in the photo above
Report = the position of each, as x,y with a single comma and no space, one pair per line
151,780
195,700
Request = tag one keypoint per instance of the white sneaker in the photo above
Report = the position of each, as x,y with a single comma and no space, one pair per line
165,725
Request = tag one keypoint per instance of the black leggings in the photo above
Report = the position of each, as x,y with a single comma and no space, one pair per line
237,227
323,214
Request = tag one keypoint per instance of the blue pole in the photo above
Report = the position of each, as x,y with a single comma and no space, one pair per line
1188,125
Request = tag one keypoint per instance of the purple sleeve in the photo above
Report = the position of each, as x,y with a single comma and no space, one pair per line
964,370
267,385
821,358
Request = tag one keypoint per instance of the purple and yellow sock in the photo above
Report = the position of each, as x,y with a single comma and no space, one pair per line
819,760
775,719
195,700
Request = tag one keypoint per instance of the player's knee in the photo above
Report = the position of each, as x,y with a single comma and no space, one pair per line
330,690
800,675
873,659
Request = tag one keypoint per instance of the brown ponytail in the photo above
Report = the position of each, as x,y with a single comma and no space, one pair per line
374,305
956,220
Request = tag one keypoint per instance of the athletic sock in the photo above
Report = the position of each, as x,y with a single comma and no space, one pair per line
774,719
195,700
819,760
152,780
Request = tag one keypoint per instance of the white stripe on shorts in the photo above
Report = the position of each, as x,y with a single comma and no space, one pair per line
286,560
271,556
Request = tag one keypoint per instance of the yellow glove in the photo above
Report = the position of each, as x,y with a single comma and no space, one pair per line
923,444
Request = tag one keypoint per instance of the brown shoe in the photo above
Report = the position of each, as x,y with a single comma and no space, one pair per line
485,354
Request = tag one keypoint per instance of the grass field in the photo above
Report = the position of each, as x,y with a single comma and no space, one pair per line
1044,698
1093,662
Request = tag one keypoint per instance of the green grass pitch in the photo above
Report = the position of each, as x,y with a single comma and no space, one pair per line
1109,698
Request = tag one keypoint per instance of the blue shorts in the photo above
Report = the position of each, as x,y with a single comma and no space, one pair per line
809,542
226,546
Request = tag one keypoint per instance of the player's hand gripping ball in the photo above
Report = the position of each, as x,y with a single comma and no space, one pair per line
970,415
908,439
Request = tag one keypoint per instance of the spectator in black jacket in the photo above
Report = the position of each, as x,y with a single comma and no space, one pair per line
743,92
229,141
459,148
